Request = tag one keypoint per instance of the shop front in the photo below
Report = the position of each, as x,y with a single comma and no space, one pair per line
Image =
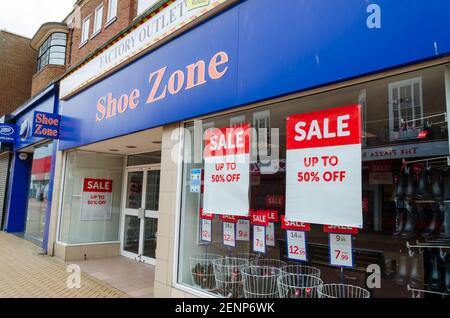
30,178
270,159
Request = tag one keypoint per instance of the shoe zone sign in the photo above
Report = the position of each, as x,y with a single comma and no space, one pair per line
46,125
8,133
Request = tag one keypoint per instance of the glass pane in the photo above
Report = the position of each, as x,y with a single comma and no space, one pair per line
150,233
38,192
61,42
59,36
131,236
134,190
144,159
152,195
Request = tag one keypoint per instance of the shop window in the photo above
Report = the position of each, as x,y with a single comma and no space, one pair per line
392,216
405,109
52,51
98,19
92,198
38,192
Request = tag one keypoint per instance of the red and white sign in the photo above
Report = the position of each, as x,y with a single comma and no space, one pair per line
229,218
296,245
259,239
323,173
227,170
294,226
260,217
340,229
206,216
243,230
270,234
275,201
96,200
229,234
206,230
341,252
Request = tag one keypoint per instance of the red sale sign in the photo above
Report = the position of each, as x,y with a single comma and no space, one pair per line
206,216
227,170
260,218
323,167
294,226
340,229
96,199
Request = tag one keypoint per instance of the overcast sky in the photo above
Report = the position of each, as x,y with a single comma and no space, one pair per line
24,17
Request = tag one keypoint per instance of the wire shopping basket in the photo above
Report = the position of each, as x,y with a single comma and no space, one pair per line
298,286
342,291
268,262
260,281
202,271
229,281
248,256
301,270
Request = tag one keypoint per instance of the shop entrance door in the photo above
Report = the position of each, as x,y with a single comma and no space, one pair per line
141,212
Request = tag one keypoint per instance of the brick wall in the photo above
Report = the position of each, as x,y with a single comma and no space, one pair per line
17,66
126,12
45,76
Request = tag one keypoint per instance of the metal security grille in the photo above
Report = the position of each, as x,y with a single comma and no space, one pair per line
4,167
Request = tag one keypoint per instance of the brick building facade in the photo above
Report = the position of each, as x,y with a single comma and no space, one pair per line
17,66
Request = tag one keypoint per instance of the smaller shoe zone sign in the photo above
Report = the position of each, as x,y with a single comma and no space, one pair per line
46,125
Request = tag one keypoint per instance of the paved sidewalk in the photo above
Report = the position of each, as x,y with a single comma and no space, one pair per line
26,274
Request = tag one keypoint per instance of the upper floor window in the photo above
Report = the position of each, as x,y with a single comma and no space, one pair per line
98,19
112,10
52,51
85,30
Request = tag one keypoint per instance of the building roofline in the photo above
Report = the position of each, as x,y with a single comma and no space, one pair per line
15,34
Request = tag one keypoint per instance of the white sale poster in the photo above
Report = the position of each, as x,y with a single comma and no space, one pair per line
296,244
243,230
206,230
229,234
341,252
323,167
96,199
227,170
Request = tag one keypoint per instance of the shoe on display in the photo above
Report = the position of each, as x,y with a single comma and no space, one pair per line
400,188
402,271
399,221
445,227
410,228
437,184
410,184
423,191
434,279
434,227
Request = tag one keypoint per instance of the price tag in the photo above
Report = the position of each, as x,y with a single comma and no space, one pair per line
296,245
229,234
243,230
259,239
270,235
206,230
341,252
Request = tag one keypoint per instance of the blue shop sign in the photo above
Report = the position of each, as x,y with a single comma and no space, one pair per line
46,125
254,51
8,133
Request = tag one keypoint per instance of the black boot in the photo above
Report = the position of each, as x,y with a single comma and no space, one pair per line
437,184
400,188
410,185
423,191
399,221
447,273
434,280
434,227
410,228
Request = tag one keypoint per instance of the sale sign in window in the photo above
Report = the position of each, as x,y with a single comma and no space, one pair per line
341,252
323,168
206,230
227,170
96,202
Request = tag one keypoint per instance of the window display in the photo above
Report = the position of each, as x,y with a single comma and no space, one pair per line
92,198
404,186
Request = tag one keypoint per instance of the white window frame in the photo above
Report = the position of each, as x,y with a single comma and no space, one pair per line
98,17
112,16
418,118
85,31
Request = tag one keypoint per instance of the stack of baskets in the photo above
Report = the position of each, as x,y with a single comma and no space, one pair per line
246,275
